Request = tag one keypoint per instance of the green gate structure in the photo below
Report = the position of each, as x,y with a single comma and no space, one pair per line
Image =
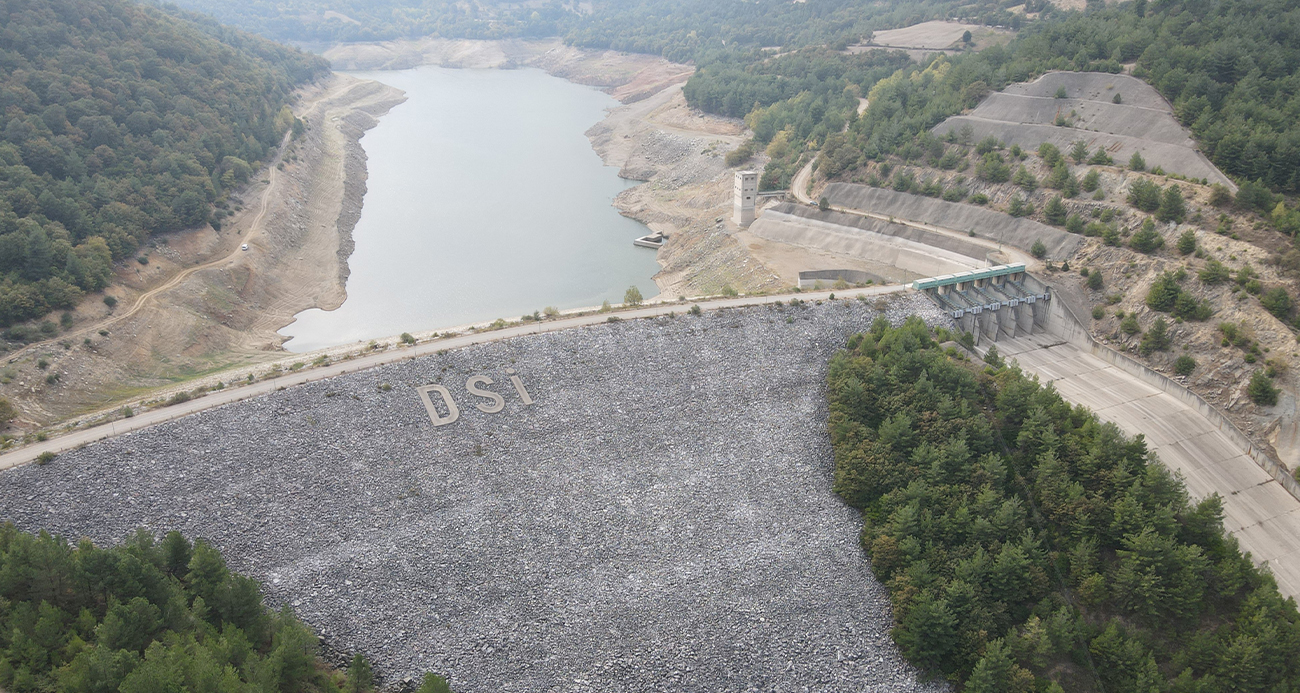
1004,300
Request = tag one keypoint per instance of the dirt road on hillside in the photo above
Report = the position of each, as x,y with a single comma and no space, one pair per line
201,303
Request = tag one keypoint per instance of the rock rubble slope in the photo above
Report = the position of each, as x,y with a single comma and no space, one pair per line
660,518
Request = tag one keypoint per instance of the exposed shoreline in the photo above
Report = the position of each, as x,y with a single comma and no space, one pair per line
201,305
226,318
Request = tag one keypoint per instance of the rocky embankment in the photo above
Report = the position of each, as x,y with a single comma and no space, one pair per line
659,518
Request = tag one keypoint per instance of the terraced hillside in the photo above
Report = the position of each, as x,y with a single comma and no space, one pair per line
1140,121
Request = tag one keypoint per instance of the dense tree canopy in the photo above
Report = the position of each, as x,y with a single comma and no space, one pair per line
379,20
1027,546
120,121
144,616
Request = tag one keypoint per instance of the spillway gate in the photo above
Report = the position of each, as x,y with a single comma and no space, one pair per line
991,302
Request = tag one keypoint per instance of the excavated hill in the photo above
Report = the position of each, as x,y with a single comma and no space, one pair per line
659,518
1143,121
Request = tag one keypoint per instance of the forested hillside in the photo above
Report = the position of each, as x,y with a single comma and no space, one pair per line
1029,547
1229,68
379,20
121,121
148,616
681,30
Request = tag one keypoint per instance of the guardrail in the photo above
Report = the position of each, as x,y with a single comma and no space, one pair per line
1079,336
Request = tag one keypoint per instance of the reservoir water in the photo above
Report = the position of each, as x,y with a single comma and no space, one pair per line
484,200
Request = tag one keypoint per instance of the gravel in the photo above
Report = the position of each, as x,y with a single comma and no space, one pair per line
660,519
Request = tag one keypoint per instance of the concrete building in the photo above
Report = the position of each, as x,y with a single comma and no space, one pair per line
745,197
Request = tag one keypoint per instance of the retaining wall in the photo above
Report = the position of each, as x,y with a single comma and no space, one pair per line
918,251
988,223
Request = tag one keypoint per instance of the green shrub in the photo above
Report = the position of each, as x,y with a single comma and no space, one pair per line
360,678
1147,240
1075,224
45,458
1277,301
433,683
1091,182
1261,389
1094,280
1098,312
1155,339
1163,293
1214,272
1019,207
993,168
1038,250
1184,365
1144,195
1220,196
407,338
1129,325
1025,179
1049,153
741,154
695,309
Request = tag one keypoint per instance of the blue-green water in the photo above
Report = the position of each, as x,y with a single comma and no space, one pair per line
484,201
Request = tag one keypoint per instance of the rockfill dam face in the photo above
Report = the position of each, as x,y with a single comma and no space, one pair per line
659,517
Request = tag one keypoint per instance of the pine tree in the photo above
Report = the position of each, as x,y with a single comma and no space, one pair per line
1261,389
1156,338
360,677
1137,163
927,634
1172,207
1025,179
1059,175
1187,242
1163,293
1079,152
1055,211
1091,181
1147,240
